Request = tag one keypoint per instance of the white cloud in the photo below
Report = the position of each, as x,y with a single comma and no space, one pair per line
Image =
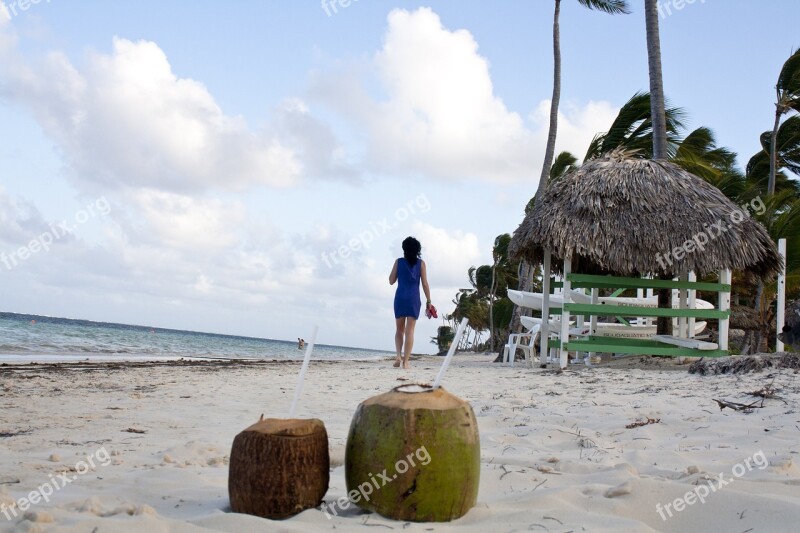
443,111
577,126
440,116
160,147
448,254
126,118
20,220
181,222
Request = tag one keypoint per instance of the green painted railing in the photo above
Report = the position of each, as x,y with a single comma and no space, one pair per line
581,281
625,310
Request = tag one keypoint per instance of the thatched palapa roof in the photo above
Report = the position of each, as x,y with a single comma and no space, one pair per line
622,215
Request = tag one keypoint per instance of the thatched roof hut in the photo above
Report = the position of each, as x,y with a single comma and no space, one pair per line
634,217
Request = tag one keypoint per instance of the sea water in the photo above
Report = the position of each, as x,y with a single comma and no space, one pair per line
23,336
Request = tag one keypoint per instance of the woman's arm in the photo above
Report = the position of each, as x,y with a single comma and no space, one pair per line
424,276
393,275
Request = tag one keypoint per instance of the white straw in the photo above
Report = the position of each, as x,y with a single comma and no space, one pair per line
450,352
299,389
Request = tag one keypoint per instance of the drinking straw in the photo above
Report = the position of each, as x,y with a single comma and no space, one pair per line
451,351
299,389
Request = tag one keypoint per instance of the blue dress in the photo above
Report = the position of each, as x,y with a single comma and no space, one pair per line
406,298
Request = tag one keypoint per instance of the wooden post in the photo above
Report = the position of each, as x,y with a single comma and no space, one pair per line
692,303
724,305
780,312
593,318
544,333
640,294
683,322
580,320
564,337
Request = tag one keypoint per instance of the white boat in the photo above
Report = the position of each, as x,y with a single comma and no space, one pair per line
609,329
533,300
528,322
634,331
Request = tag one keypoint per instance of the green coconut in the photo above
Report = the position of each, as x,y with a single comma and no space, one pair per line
414,454
279,467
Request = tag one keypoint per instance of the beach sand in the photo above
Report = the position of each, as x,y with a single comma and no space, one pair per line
555,450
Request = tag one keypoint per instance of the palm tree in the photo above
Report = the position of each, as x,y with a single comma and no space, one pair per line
788,91
607,6
658,114
780,155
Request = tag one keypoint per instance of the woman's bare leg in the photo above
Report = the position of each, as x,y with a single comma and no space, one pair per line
409,340
400,324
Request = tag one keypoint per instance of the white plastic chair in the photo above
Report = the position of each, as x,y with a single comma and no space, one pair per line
521,341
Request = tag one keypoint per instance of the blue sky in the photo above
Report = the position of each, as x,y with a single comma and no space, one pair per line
251,167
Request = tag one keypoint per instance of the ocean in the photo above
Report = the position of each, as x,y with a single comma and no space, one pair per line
43,337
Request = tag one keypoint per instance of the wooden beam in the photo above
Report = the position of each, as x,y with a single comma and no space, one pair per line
565,312
544,333
724,307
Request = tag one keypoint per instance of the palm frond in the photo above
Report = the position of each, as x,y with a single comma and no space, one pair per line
563,163
788,85
632,129
607,6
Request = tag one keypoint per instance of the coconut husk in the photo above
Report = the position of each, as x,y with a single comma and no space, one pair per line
389,431
279,467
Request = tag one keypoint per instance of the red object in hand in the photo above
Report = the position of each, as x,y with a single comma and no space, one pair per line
430,312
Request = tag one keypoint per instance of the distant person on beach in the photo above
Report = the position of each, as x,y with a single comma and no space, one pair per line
300,343
408,271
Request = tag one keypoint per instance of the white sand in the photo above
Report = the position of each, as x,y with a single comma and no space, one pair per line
556,455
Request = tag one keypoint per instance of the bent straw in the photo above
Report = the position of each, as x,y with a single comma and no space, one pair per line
299,389
450,352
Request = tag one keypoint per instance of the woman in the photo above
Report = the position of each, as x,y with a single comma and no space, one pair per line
408,271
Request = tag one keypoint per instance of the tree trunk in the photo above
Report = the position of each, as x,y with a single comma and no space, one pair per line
491,305
554,103
773,153
658,113
522,285
657,105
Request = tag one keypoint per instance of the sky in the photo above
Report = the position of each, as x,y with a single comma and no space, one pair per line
251,167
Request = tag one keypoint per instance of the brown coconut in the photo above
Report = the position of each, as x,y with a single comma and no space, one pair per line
279,467
394,427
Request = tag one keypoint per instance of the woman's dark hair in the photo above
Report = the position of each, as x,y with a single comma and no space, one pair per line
412,250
